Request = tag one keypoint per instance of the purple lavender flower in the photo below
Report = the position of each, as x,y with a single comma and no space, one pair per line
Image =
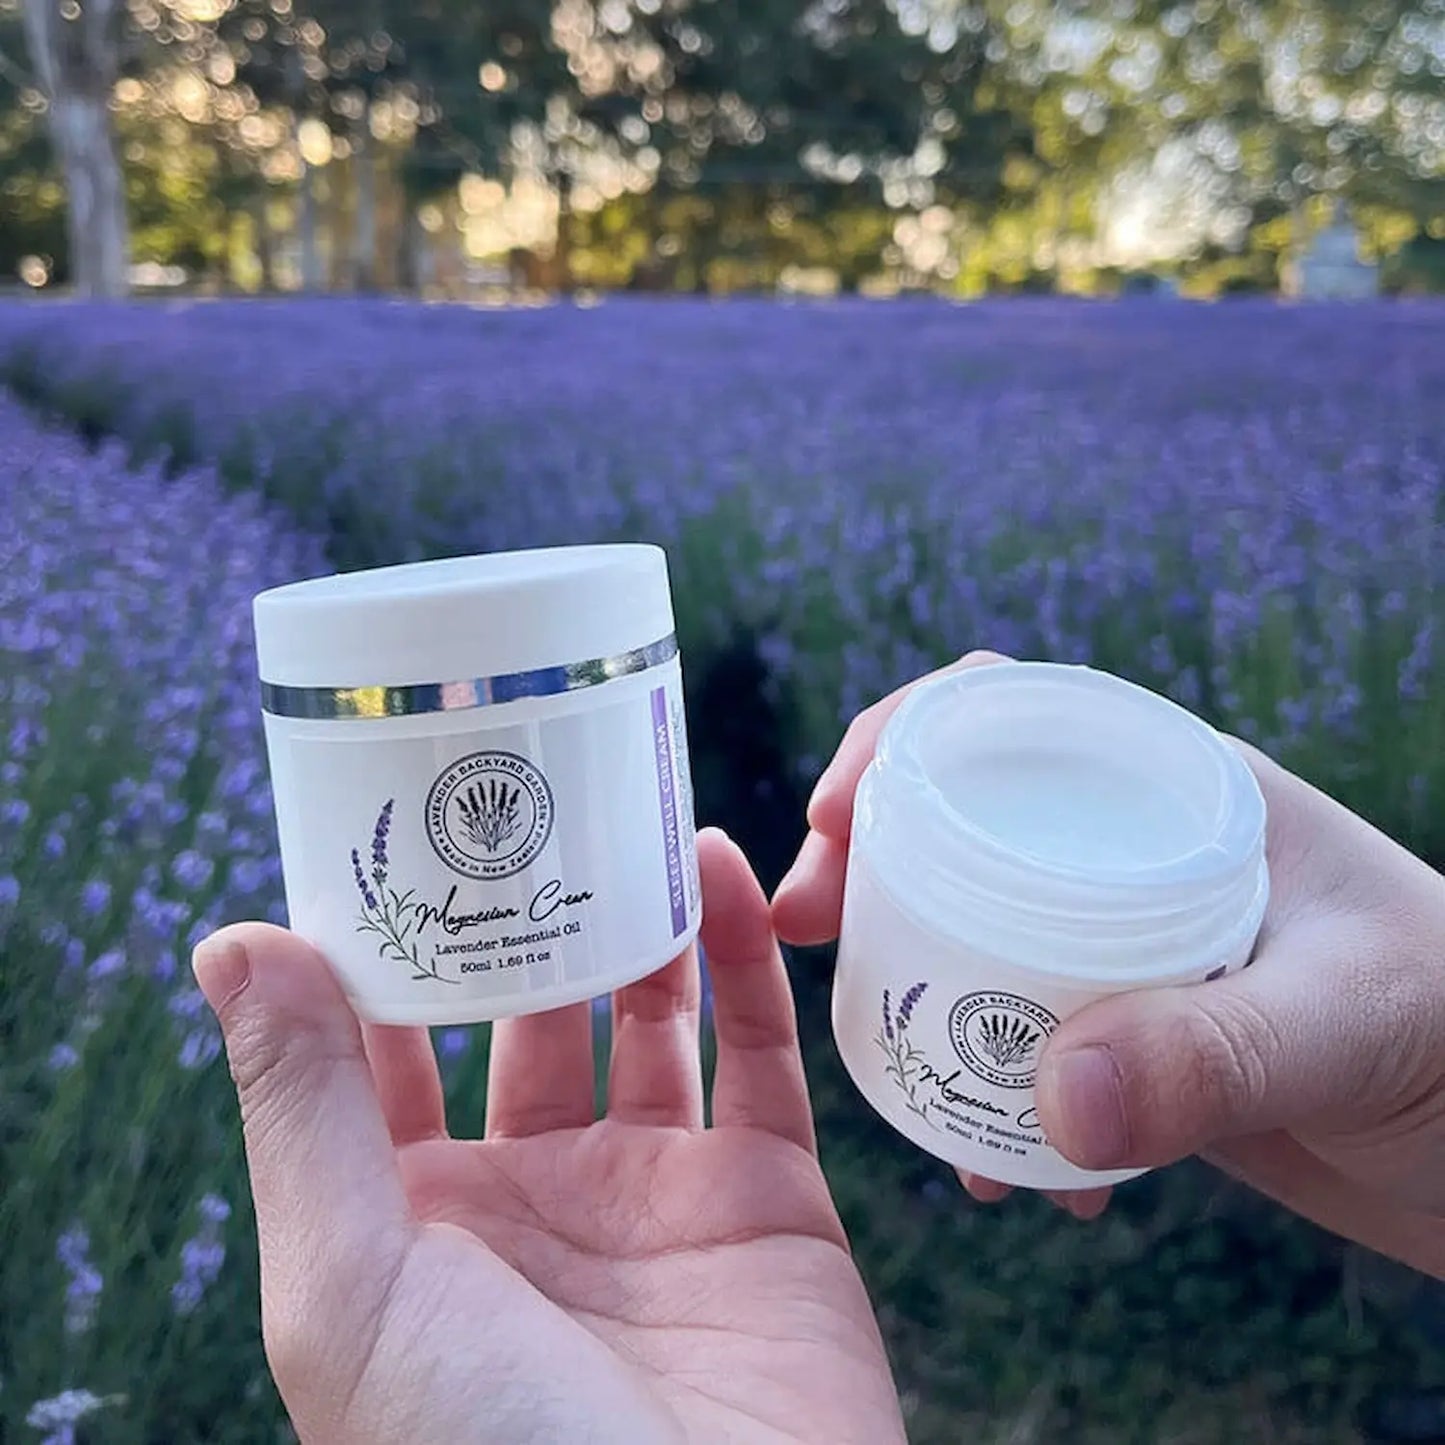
187,1003
72,1247
82,1292
60,1414
453,1043
201,1261
192,870
907,1004
9,891
199,1047
63,1057
202,1256
248,875
95,897
110,963
887,1017
213,1209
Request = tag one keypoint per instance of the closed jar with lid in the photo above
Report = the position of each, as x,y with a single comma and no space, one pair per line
481,778
1029,838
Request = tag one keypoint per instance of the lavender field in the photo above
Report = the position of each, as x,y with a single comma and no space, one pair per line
1243,505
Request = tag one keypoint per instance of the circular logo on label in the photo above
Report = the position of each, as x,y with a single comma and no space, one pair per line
999,1035
489,815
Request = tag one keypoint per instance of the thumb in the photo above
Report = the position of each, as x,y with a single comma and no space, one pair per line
1310,1032
331,1214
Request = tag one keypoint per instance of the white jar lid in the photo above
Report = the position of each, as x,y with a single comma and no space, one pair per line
434,623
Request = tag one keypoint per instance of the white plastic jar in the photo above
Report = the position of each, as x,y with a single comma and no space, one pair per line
481,778
1030,838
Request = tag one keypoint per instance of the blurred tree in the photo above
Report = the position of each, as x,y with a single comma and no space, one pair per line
75,50
482,74
707,143
284,55
438,87
1272,102
1418,267
201,150
777,117
32,198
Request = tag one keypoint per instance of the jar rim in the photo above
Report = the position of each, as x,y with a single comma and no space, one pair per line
949,864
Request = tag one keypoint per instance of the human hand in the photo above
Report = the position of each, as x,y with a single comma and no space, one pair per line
1317,1075
636,1278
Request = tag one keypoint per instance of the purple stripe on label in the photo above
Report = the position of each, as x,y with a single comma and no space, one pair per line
662,741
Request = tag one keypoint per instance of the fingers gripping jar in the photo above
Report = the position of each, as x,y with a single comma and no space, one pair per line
1030,838
481,777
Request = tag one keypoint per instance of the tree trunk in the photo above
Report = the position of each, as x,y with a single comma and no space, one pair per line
265,240
365,161
563,252
308,241
95,194
77,61
338,263
413,268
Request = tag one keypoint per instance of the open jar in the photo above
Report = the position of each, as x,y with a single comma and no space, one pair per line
1029,838
481,778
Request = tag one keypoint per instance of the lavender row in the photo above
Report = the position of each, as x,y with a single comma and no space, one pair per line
1241,504
135,815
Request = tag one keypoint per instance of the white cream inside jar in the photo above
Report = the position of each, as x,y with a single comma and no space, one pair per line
1030,837
481,777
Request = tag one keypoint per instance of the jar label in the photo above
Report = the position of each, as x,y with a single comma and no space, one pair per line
945,1042
964,1066
495,863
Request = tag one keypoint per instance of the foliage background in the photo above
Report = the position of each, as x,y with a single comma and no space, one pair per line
969,146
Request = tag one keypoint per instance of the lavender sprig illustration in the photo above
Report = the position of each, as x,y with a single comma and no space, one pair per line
490,815
384,911
910,1002
905,1062
378,843
368,898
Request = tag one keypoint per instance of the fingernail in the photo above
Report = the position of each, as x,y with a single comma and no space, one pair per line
222,968
1088,1093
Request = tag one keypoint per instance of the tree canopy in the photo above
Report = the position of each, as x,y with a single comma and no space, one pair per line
708,143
